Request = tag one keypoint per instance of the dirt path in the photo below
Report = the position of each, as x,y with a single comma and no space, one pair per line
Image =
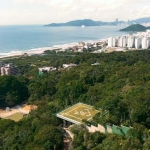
25,109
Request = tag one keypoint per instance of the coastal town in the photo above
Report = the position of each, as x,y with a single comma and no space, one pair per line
129,41
132,41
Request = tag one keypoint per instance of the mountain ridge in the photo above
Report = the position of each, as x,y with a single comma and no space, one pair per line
142,20
90,22
86,22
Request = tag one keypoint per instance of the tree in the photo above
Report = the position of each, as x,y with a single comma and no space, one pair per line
50,137
12,91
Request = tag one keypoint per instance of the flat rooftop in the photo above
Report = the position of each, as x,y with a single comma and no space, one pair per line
77,113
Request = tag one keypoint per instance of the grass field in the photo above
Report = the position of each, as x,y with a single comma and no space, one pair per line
16,117
78,112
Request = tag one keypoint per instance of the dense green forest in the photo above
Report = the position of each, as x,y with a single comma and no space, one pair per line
119,84
12,90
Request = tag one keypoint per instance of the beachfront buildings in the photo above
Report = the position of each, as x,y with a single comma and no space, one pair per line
140,40
137,43
114,42
131,40
122,41
110,42
81,46
145,43
8,69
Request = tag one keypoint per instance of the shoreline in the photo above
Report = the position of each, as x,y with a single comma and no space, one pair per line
41,50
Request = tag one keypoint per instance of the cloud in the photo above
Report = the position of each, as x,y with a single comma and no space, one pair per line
47,11
43,2
30,1
89,9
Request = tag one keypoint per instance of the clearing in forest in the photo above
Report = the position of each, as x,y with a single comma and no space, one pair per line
16,117
78,112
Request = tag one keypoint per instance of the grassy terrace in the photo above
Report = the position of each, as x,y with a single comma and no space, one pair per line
78,112
16,117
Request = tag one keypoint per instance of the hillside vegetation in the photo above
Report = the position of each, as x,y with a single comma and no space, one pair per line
120,84
135,28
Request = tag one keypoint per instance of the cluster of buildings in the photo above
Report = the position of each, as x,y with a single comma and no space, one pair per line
45,70
8,69
140,40
85,46
118,22
91,46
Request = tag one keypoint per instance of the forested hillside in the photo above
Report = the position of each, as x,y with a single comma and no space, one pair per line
12,90
119,84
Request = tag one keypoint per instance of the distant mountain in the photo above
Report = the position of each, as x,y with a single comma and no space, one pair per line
142,20
89,22
135,27
85,22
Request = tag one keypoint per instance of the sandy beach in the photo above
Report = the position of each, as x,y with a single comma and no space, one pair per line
29,52
41,50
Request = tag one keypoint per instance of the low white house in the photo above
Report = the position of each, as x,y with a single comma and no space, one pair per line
95,64
46,70
69,65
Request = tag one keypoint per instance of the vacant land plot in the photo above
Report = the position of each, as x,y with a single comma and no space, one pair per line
78,112
16,117
17,111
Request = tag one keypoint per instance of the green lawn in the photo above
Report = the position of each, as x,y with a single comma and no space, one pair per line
16,117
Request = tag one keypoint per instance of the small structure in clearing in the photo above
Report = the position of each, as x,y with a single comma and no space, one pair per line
77,113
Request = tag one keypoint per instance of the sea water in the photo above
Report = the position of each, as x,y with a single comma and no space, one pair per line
16,39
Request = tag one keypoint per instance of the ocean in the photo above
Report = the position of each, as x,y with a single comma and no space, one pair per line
17,39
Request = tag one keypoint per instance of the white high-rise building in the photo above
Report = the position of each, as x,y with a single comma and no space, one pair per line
110,41
145,43
120,42
137,40
137,43
130,43
124,41
114,42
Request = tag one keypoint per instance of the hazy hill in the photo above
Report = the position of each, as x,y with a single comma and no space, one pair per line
142,20
86,22
135,27
89,22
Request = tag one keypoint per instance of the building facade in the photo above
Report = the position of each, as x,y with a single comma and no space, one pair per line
145,43
130,43
110,41
46,70
137,43
8,69
139,40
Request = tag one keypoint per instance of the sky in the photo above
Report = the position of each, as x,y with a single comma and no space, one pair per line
22,12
